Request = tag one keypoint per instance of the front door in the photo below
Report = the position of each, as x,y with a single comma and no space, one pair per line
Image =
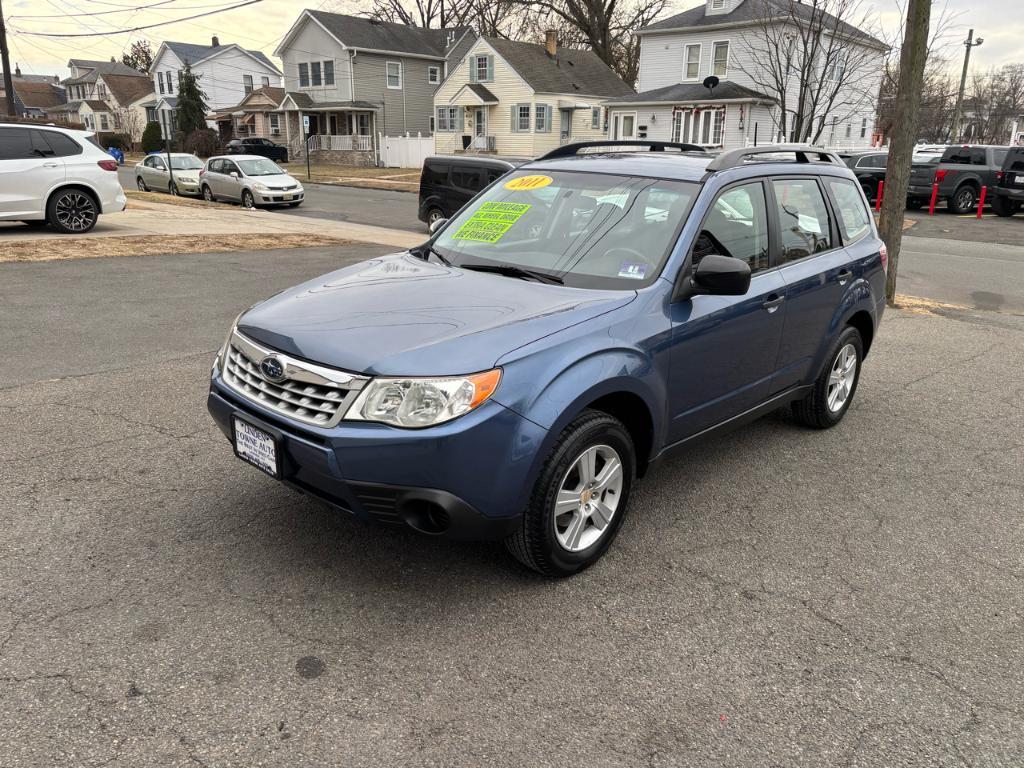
565,123
480,127
624,125
725,348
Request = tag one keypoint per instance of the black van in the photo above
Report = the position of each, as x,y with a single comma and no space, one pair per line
1008,191
448,183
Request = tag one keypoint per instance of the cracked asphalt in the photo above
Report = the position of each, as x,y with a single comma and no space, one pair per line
777,597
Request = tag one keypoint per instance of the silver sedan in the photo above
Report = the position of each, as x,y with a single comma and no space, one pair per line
250,180
152,174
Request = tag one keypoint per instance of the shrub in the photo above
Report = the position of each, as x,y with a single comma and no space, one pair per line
152,141
203,142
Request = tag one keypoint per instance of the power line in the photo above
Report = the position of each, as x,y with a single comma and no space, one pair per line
97,13
145,26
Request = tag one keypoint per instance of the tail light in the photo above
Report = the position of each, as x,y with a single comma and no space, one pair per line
884,253
999,176
107,165
940,175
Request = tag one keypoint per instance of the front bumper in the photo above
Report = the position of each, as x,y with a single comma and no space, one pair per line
274,197
466,479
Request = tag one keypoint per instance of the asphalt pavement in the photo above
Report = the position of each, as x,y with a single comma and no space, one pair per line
777,597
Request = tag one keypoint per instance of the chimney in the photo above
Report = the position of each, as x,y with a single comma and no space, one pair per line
551,42
215,42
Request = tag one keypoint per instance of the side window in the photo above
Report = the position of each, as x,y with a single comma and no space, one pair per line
803,218
466,178
39,146
158,163
229,168
737,226
1016,161
978,157
853,215
435,174
999,157
15,144
494,174
216,165
148,162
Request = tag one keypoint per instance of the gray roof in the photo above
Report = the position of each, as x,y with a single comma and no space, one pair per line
370,34
304,102
71,106
191,53
753,10
171,101
100,68
570,71
684,92
485,95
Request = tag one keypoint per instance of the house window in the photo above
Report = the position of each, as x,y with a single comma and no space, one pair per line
717,5
170,83
691,59
314,74
101,89
150,114
848,128
838,67
394,72
521,117
482,66
303,75
275,123
264,82
864,128
247,83
699,126
543,123
159,78
329,72
447,118
720,67
595,118
103,121
433,75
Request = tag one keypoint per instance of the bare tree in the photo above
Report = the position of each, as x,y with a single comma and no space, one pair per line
129,122
818,59
995,99
913,56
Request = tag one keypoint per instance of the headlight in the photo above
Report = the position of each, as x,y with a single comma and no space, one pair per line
260,187
415,402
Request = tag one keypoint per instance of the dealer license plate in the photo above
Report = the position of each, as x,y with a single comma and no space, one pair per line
257,447
288,197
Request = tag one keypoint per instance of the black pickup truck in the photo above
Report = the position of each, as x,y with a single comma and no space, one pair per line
1008,192
961,173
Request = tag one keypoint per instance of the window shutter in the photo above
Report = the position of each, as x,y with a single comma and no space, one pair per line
490,69
472,69
460,126
514,109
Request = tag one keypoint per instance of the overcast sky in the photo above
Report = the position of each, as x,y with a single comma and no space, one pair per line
261,26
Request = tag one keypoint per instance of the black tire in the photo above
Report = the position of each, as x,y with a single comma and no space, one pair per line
172,188
72,211
964,200
814,410
434,214
35,223
915,204
208,194
248,201
536,544
295,204
1002,206
141,184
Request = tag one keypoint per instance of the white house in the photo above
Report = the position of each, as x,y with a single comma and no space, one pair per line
723,38
226,73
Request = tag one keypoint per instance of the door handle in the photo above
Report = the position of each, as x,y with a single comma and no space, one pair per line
51,165
844,276
773,302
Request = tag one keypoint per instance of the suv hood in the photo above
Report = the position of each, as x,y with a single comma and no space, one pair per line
399,315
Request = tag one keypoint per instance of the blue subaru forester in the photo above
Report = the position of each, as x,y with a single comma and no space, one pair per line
587,313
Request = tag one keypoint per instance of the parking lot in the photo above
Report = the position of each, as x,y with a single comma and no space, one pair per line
776,597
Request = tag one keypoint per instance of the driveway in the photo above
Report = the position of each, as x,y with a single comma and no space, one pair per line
777,597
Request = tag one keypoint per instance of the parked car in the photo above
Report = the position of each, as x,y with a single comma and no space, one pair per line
1008,191
924,163
448,183
249,180
590,312
869,167
56,176
152,174
262,147
961,173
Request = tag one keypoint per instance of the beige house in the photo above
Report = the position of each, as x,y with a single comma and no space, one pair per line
107,97
521,99
255,115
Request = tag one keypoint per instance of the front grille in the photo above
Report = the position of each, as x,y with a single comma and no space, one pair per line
285,189
309,393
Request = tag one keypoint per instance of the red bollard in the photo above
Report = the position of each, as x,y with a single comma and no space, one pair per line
935,197
981,201
878,198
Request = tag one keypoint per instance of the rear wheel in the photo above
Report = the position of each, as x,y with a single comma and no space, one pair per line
1003,206
579,499
72,211
830,398
963,200
141,184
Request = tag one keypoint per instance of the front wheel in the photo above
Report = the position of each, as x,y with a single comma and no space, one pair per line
173,189
247,199
295,204
830,398
963,200
579,499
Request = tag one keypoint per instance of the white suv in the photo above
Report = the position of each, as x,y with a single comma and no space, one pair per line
56,176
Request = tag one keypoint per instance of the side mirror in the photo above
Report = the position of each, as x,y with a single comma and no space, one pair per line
234,174
437,225
718,276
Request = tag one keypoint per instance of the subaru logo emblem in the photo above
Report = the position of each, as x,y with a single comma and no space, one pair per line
272,369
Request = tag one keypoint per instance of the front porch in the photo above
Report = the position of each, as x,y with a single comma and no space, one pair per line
342,134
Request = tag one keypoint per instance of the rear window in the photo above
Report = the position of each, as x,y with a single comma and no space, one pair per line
435,174
853,215
15,143
1014,160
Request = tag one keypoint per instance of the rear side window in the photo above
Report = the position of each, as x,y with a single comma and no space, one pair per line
803,218
494,174
61,145
850,208
978,157
466,178
15,144
435,174
736,226
872,161
998,156
958,155
1015,161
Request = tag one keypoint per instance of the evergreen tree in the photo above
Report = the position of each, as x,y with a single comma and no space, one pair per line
140,56
151,138
191,109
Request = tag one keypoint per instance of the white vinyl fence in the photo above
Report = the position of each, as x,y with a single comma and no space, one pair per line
405,151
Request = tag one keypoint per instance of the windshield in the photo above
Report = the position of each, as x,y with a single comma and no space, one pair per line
186,163
590,230
259,167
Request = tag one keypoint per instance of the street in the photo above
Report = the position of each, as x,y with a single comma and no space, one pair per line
777,596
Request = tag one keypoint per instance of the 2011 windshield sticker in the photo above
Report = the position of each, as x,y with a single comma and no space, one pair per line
491,221
526,183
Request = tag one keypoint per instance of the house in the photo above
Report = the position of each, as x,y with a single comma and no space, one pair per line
522,99
105,96
226,74
33,94
255,115
351,78
722,38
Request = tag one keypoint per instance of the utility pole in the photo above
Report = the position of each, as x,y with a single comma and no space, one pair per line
969,43
5,60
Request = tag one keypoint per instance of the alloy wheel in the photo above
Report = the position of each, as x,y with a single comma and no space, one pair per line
75,211
965,199
247,201
588,498
842,378
141,184
207,194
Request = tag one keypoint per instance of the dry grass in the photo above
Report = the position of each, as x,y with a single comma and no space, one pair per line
406,179
59,249
158,197
922,306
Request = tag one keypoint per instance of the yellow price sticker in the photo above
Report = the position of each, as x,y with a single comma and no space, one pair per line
525,183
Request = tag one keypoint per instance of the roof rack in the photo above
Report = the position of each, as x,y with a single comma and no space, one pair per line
571,150
736,157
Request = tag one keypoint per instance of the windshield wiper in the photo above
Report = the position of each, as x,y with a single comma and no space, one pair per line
426,249
511,270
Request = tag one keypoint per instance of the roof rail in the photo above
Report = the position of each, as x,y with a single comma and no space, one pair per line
571,150
735,157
